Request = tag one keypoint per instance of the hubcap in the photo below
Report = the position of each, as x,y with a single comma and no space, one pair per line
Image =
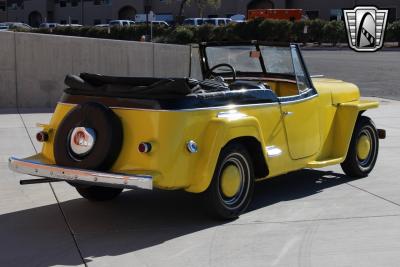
363,147
230,181
82,140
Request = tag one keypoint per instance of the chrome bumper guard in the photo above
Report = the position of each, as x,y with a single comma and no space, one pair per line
36,166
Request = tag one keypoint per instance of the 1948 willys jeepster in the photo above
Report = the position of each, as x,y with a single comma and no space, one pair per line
255,114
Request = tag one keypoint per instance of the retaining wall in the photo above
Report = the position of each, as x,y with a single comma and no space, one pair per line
33,66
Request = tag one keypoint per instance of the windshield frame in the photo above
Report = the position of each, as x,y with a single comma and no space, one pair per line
205,67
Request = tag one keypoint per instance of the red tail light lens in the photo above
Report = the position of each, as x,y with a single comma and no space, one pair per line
42,136
144,147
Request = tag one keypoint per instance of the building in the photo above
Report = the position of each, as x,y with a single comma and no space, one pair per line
89,12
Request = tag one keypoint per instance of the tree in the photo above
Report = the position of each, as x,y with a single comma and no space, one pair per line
201,4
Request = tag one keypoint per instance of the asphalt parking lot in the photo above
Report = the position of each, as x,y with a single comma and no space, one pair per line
307,218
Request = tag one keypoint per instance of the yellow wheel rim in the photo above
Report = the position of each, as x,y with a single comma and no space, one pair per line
230,181
363,147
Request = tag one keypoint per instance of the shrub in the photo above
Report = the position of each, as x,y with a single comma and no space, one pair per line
333,32
298,34
283,29
248,30
203,33
182,35
267,30
315,31
393,32
275,30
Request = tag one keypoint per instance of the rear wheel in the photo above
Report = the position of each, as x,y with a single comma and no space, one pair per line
363,150
98,193
232,186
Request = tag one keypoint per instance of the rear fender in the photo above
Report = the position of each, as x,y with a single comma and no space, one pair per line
218,133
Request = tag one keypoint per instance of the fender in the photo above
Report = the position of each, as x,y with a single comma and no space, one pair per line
345,120
218,133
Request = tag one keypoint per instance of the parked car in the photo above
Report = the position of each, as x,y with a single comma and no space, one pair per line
70,25
48,25
102,25
238,18
155,22
212,21
14,25
218,21
194,21
120,22
255,114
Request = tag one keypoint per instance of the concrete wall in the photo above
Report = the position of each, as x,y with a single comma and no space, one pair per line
7,71
33,66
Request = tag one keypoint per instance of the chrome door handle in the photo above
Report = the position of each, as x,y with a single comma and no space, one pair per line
287,113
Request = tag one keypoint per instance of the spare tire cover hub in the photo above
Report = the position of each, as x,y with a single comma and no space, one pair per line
82,140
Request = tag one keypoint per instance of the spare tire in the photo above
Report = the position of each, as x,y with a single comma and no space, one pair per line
89,137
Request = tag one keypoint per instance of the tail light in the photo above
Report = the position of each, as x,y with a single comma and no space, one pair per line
42,136
144,147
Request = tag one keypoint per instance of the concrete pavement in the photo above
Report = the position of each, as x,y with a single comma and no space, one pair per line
307,218
377,74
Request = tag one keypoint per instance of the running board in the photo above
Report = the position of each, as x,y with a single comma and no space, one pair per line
324,163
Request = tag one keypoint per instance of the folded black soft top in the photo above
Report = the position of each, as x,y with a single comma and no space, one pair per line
133,87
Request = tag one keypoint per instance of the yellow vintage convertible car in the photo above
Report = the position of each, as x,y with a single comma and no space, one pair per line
255,114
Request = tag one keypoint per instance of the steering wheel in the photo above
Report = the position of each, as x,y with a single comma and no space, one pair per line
233,71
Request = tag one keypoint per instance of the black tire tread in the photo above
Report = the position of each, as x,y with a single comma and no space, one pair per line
350,165
211,198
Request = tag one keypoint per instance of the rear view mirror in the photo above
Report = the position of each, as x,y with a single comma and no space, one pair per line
255,54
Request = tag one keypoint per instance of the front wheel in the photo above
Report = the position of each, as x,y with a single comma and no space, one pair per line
363,149
232,185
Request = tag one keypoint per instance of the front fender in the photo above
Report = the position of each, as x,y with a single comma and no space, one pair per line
346,117
218,133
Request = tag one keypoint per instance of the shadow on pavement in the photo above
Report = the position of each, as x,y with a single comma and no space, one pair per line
136,220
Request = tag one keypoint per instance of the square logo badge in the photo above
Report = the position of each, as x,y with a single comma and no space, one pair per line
365,27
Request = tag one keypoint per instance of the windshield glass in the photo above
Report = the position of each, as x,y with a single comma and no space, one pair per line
236,56
277,59
246,58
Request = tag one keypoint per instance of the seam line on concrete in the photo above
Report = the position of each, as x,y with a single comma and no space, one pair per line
373,194
316,220
58,202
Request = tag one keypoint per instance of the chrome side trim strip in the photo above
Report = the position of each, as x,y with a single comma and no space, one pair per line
231,114
301,94
299,100
218,107
188,109
34,166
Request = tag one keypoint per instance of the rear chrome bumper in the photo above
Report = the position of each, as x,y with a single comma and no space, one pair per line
37,166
